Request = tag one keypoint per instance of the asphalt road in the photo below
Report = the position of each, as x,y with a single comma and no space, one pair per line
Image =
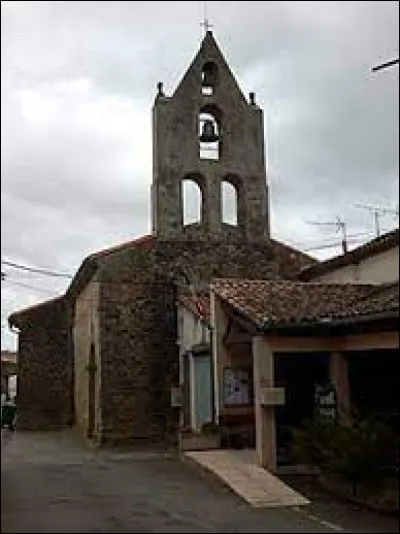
50,483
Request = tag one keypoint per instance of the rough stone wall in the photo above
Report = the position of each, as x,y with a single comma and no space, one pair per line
86,333
45,369
139,354
176,152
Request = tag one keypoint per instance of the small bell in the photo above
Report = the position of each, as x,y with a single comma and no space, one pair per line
208,134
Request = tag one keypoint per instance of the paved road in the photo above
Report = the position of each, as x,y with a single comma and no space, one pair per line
50,483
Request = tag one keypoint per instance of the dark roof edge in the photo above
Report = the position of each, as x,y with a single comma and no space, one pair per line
14,318
332,323
367,250
91,263
238,310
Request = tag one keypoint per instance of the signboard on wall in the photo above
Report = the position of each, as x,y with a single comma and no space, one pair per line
326,405
237,386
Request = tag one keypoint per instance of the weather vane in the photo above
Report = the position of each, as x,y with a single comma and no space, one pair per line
205,23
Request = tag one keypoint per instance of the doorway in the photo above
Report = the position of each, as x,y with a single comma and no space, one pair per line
203,412
298,373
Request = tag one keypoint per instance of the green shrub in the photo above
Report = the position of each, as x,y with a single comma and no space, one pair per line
311,442
355,452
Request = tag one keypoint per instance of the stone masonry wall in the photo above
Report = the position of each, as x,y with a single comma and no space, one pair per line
139,354
45,369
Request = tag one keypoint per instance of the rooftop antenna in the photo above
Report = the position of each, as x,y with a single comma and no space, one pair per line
378,212
340,227
205,24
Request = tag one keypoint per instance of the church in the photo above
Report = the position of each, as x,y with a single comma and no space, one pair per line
104,356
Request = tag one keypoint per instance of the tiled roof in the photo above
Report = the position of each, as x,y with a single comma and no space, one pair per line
376,246
199,305
273,303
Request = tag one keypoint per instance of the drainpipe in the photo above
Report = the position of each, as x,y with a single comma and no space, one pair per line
213,377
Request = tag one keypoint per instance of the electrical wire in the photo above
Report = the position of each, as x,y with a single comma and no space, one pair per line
36,270
28,286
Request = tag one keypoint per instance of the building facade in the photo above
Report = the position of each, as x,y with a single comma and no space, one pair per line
114,332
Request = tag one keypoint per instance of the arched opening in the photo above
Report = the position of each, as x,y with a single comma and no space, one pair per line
209,133
229,200
208,78
192,202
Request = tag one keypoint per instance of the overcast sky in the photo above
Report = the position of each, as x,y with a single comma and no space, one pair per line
78,80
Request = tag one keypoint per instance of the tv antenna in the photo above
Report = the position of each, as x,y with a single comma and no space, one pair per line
340,227
377,213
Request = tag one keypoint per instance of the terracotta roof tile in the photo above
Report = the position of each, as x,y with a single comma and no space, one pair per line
268,303
198,305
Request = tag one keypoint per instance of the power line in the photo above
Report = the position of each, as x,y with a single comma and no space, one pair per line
36,270
331,245
385,65
340,226
377,213
302,246
28,286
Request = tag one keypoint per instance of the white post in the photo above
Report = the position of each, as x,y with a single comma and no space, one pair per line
263,365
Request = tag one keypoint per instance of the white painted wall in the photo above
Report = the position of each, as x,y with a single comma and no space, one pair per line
378,269
191,331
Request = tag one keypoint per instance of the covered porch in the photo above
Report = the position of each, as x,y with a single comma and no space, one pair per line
267,375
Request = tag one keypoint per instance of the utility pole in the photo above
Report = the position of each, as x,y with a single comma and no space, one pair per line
340,227
377,213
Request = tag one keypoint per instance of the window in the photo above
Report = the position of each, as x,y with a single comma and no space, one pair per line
208,78
229,201
192,202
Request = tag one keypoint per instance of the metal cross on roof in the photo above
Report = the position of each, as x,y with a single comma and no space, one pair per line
205,23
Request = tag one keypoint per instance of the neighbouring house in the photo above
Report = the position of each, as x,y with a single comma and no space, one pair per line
272,343
375,262
104,356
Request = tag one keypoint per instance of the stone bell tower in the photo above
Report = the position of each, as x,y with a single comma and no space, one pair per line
208,133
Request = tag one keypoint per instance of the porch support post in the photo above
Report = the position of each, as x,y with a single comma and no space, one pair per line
263,365
220,354
340,377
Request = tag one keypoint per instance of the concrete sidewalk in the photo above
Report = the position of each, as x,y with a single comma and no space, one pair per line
255,485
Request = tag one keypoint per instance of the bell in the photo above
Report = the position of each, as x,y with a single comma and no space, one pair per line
208,134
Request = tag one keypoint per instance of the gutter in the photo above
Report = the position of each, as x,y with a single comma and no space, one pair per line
331,323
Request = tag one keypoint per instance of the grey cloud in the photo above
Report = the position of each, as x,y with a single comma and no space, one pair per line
76,162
